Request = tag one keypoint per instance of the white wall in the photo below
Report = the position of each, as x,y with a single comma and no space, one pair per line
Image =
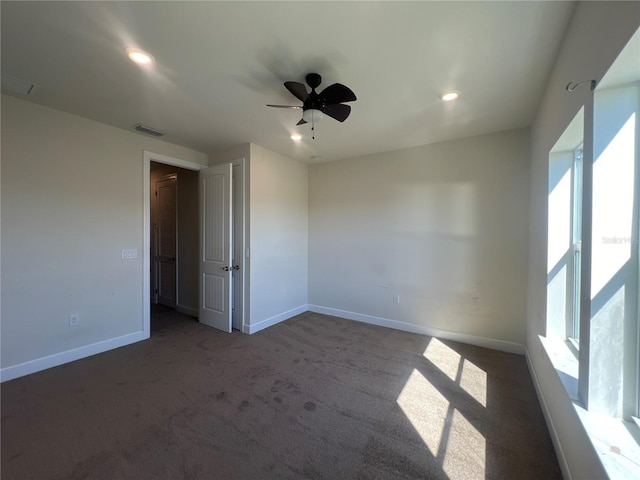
442,226
598,31
278,243
72,198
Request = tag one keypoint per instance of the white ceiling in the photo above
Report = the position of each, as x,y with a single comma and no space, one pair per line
219,63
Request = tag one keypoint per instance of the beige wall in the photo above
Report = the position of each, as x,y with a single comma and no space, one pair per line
278,241
442,227
71,202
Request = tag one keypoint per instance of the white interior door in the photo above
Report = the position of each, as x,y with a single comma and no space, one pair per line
215,247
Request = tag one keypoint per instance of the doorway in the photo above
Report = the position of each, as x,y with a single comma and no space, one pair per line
174,237
188,282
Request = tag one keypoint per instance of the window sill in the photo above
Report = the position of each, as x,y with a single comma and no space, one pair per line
565,363
616,441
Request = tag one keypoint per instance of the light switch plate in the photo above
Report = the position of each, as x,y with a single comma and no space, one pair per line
130,253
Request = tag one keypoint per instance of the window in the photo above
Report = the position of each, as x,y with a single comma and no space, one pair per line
593,267
565,236
573,323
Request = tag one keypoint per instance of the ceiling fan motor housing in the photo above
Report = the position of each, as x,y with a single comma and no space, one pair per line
314,101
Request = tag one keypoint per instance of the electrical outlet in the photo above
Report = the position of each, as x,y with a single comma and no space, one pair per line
74,319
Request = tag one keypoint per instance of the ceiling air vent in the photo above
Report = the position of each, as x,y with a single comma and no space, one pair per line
148,130
18,85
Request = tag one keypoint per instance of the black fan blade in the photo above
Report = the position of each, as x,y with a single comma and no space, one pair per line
301,122
339,111
297,89
284,106
337,93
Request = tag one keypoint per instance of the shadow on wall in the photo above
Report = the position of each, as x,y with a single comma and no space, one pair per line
432,236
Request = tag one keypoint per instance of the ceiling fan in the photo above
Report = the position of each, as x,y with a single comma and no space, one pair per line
315,105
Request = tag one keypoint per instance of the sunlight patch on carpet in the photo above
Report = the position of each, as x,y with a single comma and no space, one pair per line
469,376
474,382
443,357
466,446
426,409
448,435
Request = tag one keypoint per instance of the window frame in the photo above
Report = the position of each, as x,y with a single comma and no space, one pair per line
574,280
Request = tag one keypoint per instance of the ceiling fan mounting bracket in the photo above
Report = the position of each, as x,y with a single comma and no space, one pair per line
313,80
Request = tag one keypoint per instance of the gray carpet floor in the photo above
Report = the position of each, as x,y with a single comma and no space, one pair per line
315,397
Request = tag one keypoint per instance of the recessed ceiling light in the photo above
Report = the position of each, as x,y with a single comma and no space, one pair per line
139,56
449,95
296,137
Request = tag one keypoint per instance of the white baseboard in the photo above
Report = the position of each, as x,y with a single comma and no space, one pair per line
432,332
187,311
33,366
553,433
253,328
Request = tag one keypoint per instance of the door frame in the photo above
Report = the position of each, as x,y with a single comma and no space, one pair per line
147,158
239,212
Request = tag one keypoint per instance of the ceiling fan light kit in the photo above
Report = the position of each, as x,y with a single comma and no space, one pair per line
312,115
330,102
